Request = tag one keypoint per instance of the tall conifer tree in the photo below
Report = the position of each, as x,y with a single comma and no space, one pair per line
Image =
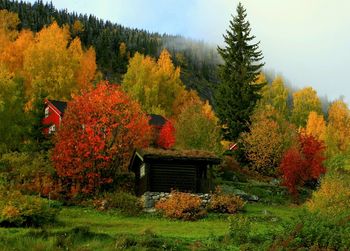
237,93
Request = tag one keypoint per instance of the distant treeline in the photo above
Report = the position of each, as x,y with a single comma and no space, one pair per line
198,60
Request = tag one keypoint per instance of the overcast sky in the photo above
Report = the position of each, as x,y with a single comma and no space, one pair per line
307,41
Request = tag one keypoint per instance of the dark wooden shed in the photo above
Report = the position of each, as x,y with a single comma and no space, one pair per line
158,170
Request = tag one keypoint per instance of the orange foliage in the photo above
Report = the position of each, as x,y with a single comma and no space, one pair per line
181,206
316,126
225,203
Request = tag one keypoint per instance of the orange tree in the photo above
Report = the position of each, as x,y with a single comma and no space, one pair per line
99,131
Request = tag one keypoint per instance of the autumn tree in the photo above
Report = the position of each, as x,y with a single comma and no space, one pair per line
302,163
237,93
155,84
56,65
338,128
196,126
316,126
8,28
269,136
99,131
276,95
304,102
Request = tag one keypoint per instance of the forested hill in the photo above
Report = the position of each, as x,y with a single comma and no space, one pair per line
197,60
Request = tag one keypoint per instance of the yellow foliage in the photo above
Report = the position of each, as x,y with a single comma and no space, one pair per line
338,129
155,84
333,196
316,126
304,102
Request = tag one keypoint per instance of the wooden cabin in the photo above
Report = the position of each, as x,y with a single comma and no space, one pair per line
158,170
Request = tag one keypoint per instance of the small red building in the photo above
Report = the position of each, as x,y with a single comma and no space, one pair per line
54,111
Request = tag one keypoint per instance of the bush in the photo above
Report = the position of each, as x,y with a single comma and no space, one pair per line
239,229
225,203
124,202
29,173
314,231
333,196
181,206
23,210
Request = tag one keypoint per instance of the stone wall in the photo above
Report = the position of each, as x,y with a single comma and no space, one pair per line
150,198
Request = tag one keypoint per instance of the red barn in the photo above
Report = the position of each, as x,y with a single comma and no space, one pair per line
54,111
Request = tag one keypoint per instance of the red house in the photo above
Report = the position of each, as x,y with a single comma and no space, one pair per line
54,111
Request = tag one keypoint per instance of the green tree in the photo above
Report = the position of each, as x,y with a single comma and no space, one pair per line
13,119
237,93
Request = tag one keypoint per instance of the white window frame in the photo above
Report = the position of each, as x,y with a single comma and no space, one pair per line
47,111
52,128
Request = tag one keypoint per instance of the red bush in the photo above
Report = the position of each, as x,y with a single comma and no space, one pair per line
303,163
166,138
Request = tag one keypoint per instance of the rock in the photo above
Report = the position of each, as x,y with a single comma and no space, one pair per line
253,198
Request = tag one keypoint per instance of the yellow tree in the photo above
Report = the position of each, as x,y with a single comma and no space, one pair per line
316,126
338,129
13,54
196,126
304,102
155,84
276,95
53,62
8,28
269,136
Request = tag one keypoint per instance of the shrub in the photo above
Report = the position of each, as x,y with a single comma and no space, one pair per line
333,196
314,231
23,210
225,203
30,173
181,206
124,202
239,229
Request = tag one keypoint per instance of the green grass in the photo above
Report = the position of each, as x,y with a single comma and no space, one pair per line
87,229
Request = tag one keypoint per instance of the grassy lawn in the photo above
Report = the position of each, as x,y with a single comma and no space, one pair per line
87,229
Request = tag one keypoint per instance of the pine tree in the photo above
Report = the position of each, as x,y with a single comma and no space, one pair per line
237,93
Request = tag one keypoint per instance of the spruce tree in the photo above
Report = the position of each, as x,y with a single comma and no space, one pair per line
237,94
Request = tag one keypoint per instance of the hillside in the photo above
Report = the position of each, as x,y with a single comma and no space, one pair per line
197,60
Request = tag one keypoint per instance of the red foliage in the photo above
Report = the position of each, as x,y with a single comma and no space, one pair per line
166,138
303,163
99,131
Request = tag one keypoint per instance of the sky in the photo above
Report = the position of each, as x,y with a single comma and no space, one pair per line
305,41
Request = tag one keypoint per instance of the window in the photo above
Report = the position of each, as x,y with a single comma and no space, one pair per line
46,112
52,129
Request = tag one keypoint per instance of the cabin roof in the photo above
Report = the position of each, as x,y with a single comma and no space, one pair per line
156,120
60,105
146,154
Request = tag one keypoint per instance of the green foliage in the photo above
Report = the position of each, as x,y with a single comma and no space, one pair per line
237,93
339,161
154,84
333,196
276,95
27,172
125,202
23,210
304,102
239,229
195,130
13,119
314,231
